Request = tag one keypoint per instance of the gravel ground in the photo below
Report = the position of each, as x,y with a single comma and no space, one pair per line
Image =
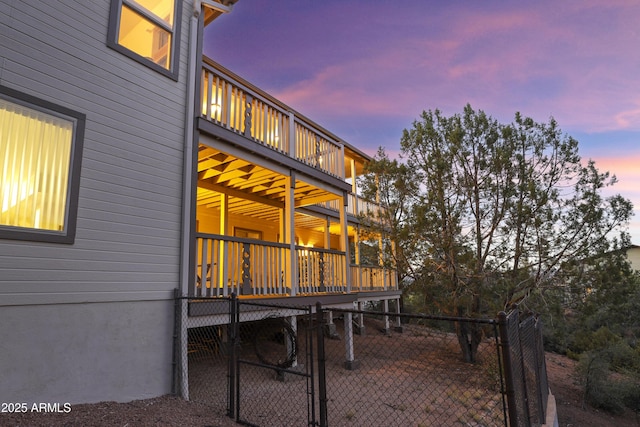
173,411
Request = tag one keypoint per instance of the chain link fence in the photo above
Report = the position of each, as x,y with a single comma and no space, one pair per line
274,358
525,369
412,375
202,355
267,364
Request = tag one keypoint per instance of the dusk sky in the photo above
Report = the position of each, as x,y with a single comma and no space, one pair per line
366,69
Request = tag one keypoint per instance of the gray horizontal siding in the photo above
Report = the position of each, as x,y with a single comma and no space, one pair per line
129,215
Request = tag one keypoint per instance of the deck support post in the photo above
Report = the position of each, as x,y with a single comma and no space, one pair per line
350,363
360,329
385,310
398,325
330,327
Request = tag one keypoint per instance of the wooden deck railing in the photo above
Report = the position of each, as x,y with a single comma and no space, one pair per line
356,206
226,265
321,270
372,278
249,112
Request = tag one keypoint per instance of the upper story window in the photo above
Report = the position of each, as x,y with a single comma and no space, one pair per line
40,157
147,31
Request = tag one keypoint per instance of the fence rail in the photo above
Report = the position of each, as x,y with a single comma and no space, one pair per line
308,365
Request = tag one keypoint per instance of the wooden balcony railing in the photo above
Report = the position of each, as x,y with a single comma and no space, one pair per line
252,267
372,278
226,265
365,207
356,206
249,112
321,270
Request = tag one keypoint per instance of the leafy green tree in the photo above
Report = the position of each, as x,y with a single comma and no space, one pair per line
592,319
485,213
392,186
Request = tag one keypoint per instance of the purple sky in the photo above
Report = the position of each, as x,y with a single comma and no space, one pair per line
366,69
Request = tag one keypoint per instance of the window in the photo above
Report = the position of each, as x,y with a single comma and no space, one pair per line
247,234
40,157
147,31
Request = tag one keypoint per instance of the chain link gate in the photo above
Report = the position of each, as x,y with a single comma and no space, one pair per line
271,364
282,361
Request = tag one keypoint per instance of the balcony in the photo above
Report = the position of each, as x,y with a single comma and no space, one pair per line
257,158
356,206
254,268
239,107
249,112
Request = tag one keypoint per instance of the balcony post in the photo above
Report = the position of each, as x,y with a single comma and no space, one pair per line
223,252
344,242
381,261
248,115
394,272
356,248
226,106
354,187
246,269
327,245
293,140
341,168
291,273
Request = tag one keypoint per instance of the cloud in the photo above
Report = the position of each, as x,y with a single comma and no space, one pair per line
629,118
365,70
531,60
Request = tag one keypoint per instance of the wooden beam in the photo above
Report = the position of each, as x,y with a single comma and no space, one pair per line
306,201
240,194
205,152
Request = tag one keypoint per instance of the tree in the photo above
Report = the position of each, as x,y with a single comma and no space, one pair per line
390,184
484,213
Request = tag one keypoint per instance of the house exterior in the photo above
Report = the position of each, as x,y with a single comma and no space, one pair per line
133,170
633,254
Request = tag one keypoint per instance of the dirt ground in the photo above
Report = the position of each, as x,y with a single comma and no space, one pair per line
173,411
569,398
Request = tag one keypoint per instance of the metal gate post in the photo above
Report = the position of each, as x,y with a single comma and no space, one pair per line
232,353
508,372
322,373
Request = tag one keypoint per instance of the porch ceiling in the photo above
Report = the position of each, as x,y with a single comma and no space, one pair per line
253,190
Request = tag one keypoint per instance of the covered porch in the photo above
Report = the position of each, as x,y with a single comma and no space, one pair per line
264,230
276,203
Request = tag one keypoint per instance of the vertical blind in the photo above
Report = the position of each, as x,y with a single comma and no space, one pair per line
35,154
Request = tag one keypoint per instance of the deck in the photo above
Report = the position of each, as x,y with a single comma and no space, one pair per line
242,125
248,267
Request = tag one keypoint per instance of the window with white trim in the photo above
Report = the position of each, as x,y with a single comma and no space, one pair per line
147,31
40,157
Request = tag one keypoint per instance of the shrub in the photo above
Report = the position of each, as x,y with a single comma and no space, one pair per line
602,389
599,391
